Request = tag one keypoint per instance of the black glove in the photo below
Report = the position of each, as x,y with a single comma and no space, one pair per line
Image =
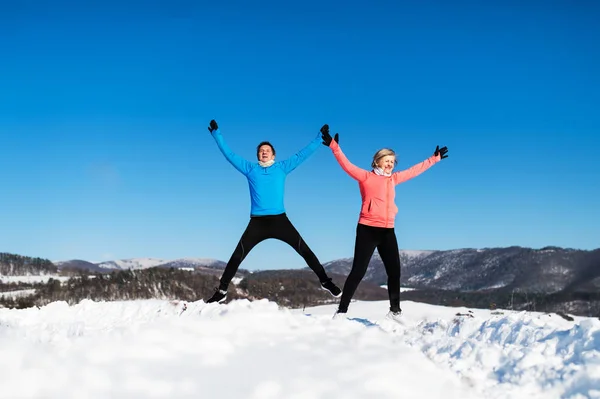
213,126
327,137
441,151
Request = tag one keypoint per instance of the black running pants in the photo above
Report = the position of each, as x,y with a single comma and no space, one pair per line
261,228
367,239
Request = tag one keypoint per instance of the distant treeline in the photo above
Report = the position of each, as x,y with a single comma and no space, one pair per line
120,285
289,288
576,303
17,265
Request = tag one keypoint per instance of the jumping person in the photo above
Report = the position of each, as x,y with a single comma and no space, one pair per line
266,180
375,227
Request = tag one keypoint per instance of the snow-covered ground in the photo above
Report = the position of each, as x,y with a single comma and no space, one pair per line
154,349
236,280
402,289
32,279
16,294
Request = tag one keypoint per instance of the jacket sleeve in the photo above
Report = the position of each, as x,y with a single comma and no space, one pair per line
238,162
353,171
403,175
295,160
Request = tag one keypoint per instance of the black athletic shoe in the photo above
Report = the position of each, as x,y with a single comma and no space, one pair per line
218,296
330,287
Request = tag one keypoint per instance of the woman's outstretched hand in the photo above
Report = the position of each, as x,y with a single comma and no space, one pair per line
327,137
441,151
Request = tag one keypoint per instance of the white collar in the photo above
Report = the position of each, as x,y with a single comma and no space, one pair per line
266,164
380,172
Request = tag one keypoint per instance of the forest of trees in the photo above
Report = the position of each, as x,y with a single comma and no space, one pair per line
17,265
576,303
289,288
300,288
15,286
158,283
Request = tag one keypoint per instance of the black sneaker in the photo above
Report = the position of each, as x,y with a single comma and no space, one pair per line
330,287
218,296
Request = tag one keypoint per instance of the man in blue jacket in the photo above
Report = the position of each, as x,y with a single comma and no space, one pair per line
266,180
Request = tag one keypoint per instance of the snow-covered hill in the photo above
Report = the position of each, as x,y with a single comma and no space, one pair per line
154,348
141,263
545,270
549,269
376,271
133,264
193,263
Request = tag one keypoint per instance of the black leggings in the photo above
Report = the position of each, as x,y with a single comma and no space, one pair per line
367,239
261,228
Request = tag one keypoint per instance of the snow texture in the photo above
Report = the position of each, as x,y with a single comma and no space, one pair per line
32,279
163,349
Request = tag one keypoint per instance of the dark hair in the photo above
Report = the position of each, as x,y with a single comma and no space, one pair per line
265,143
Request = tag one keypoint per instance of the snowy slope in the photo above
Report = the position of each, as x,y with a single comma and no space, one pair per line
193,263
376,271
32,279
414,253
150,348
134,263
548,269
141,263
78,264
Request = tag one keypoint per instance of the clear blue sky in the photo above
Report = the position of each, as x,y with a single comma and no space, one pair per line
104,108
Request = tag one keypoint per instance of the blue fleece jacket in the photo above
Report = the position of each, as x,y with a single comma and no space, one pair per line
267,185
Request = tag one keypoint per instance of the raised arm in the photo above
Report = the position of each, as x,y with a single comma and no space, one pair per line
353,171
295,160
238,162
403,175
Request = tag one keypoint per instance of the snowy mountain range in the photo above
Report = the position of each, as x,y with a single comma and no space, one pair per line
376,271
549,279
549,269
141,263
545,270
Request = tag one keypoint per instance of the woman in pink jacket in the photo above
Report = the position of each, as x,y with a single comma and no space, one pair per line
377,214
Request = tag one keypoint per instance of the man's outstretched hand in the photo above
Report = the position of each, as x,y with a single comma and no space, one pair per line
213,126
327,137
441,151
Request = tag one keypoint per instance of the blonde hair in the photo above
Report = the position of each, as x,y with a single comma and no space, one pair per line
384,152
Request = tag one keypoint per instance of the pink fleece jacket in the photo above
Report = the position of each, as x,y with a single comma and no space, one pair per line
378,192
